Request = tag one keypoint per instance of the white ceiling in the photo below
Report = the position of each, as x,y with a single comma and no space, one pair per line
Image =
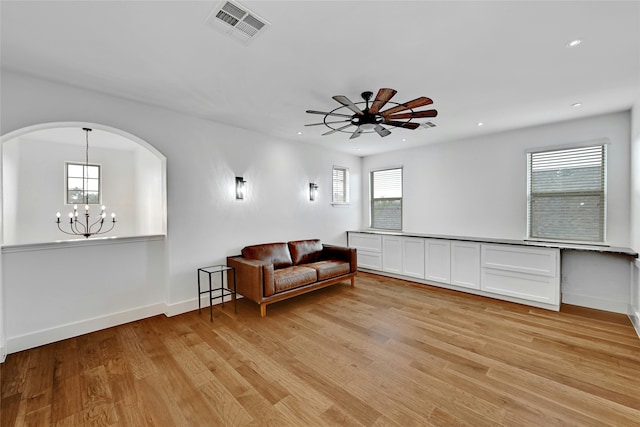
503,63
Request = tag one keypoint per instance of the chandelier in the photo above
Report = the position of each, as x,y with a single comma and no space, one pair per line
86,226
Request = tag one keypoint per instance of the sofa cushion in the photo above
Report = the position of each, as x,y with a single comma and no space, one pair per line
293,277
329,269
305,251
275,253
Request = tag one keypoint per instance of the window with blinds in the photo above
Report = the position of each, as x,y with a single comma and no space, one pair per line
566,199
386,199
340,185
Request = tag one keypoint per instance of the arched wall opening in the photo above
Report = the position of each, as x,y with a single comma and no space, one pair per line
33,181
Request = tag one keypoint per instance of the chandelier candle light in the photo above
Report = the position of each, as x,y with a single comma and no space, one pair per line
86,227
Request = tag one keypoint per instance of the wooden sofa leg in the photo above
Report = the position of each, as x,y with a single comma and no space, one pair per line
263,310
353,282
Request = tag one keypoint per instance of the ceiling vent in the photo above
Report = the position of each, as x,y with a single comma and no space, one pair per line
236,21
428,125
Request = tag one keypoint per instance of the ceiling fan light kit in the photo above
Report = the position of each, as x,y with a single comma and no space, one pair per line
371,119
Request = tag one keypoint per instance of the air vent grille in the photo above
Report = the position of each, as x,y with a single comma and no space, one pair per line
236,21
428,125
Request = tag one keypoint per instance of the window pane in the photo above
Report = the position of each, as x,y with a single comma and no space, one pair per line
92,185
94,172
387,214
93,197
74,170
74,184
75,197
386,202
340,185
387,183
567,194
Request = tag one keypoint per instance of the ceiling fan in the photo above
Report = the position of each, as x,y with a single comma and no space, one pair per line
371,119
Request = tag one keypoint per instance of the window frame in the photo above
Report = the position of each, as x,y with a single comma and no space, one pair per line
593,192
84,191
373,199
345,185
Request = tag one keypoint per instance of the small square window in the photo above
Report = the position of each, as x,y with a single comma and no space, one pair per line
82,184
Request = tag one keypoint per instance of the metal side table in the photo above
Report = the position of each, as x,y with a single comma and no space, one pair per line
224,290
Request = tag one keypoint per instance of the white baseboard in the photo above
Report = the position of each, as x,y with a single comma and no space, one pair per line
596,303
192,304
634,316
70,330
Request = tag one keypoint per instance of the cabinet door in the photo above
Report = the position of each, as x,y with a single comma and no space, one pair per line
413,257
437,260
392,254
465,264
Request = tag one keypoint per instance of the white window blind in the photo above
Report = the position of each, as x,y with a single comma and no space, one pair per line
340,185
386,199
567,194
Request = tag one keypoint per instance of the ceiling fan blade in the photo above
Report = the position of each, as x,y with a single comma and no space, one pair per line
406,125
336,130
347,103
356,133
324,113
418,102
383,96
327,123
414,115
382,131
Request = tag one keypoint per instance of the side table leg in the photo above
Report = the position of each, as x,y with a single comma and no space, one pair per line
210,300
235,307
199,295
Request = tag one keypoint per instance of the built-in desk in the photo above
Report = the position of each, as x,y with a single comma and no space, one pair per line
525,272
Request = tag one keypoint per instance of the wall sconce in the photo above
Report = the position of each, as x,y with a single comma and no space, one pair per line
313,191
240,188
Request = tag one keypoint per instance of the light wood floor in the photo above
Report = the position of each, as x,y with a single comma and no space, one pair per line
386,352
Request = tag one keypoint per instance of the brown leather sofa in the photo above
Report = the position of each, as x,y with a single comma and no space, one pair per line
272,272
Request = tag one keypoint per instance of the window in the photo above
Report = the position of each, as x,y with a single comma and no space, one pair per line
340,185
83,183
386,199
566,194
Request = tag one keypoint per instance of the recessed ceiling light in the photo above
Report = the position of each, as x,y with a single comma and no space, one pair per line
480,124
576,104
574,43
404,139
299,132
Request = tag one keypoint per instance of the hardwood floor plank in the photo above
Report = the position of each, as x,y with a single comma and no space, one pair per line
385,353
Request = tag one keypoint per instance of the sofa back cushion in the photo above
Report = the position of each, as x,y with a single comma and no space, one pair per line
305,251
275,253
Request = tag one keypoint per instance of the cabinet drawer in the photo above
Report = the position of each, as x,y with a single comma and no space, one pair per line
371,260
538,261
530,287
367,242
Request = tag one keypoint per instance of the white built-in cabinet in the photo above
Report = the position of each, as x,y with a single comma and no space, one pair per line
465,264
437,260
413,257
369,249
392,254
529,275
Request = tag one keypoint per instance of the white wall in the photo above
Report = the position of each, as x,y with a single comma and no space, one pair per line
205,222
36,181
634,306
477,187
